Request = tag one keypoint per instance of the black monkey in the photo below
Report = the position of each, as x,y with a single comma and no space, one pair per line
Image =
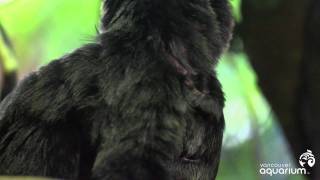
141,103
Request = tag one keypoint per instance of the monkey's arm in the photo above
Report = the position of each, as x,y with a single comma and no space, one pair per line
40,135
35,134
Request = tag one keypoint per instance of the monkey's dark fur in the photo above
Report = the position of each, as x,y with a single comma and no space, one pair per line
142,103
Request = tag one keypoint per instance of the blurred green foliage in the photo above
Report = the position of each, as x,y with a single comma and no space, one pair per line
236,9
7,57
48,28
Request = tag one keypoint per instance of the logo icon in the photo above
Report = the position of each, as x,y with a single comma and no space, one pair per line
307,158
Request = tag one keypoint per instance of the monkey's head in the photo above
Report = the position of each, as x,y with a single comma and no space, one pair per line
188,30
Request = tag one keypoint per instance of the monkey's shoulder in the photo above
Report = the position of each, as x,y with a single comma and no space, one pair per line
51,89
